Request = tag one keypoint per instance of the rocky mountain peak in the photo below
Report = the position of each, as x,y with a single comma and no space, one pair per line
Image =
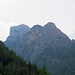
34,33
19,28
36,28
18,31
50,25
43,45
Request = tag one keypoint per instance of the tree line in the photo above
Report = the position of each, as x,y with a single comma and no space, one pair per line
12,64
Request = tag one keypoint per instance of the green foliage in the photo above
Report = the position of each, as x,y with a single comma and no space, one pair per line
12,64
43,71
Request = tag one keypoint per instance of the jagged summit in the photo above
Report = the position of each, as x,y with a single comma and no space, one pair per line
19,27
49,33
41,45
50,25
37,26
17,32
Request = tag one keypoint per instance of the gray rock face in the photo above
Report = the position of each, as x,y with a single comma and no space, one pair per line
41,45
16,34
39,38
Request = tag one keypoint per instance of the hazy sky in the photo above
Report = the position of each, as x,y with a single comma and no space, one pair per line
31,12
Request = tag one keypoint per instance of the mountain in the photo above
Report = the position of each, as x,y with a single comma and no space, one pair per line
47,45
16,34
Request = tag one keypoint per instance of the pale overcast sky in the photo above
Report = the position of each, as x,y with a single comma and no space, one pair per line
31,12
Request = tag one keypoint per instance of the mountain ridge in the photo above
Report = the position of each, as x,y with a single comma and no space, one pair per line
45,45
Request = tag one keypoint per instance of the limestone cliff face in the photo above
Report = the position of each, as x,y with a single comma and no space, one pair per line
33,34
39,38
54,35
36,39
42,45
16,34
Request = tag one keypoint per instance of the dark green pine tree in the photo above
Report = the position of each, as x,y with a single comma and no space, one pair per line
43,71
12,64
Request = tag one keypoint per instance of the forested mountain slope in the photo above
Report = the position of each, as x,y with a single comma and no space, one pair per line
12,64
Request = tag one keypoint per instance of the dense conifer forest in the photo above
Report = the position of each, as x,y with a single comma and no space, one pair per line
12,64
